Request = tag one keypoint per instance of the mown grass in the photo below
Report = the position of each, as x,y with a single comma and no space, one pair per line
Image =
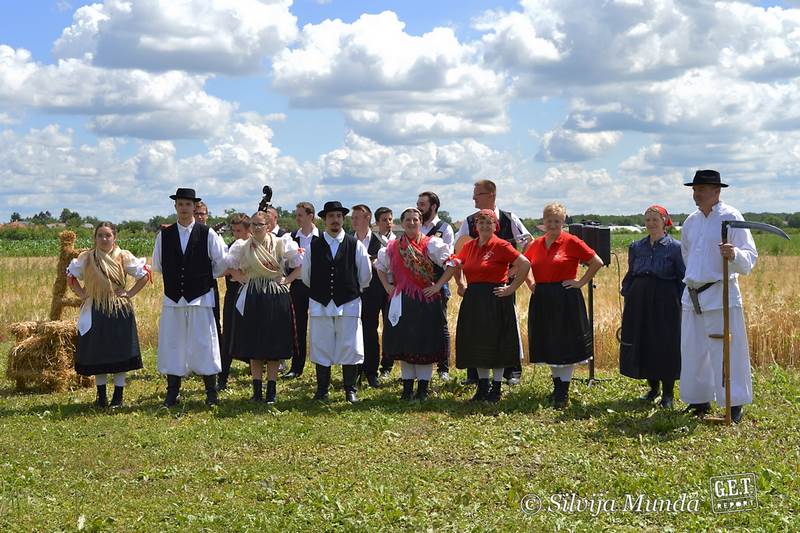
444,465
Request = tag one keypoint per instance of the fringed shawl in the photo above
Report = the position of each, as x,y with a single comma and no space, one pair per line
412,268
103,274
263,261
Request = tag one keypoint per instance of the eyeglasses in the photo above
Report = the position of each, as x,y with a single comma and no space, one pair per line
258,224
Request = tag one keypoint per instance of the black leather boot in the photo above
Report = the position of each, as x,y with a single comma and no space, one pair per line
698,409
482,391
349,376
257,390
562,395
556,384
408,390
173,390
422,390
667,393
116,398
211,389
272,392
495,393
652,394
323,382
101,400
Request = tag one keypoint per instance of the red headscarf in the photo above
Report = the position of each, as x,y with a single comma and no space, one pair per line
488,213
664,215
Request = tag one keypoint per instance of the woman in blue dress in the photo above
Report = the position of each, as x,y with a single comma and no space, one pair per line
651,322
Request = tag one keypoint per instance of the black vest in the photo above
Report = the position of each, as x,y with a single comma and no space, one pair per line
375,286
334,278
504,232
188,273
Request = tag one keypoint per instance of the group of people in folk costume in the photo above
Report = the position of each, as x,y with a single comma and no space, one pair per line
339,284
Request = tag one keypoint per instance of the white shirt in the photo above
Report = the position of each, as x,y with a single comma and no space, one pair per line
446,229
216,252
305,240
700,239
517,227
364,275
276,229
385,239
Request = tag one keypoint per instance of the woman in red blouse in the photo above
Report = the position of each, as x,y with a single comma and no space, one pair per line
487,335
558,327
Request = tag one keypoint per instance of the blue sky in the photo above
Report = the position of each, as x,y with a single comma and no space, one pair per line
607,107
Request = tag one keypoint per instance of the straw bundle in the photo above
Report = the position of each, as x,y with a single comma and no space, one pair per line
43,357
60,297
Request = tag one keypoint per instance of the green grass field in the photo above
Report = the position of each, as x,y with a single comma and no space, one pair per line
382,465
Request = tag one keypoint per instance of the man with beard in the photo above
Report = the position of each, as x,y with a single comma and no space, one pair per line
336,269
428,204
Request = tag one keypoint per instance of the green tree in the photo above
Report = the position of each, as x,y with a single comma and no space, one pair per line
43,217
794,220
15,217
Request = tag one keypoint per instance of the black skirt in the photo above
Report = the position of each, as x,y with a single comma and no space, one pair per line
110,346
228,315
266,331
487,335
651,330
558,326
419,337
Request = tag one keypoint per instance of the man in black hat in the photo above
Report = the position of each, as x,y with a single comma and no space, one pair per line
189,256
701,354
336,269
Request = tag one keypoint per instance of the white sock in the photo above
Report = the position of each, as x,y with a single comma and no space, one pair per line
407,370
483,373
101,379
424,372
564,373
497,374
119,379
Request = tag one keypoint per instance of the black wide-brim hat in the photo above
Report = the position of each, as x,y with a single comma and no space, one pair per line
187,194
706,177
330,207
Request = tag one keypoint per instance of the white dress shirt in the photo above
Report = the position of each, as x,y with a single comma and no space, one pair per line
305,240
446,229
700,239
518,229
364,275
216,252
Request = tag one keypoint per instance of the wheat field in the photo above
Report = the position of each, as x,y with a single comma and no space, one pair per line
771,294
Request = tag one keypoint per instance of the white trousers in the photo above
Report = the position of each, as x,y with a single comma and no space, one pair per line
336,340
701,358
187,341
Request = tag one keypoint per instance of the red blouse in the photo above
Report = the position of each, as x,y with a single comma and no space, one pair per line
487,263
560,262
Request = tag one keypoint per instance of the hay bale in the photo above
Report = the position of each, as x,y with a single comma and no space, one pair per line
45,359
60,297
22,330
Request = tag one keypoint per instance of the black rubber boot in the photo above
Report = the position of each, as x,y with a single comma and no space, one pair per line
323,382
422,390
116,398
496,392
668,393
257,390
211,389
272,393
408,390
652,394
556,384
349,376
173,390
562,395
482,391
101,400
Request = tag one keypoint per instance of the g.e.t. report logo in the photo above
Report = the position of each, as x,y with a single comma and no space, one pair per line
732,493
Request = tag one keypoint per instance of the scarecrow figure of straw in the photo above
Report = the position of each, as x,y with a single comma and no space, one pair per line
702,314
189,256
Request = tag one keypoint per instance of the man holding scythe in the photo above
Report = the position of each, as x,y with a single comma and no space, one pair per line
702,317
